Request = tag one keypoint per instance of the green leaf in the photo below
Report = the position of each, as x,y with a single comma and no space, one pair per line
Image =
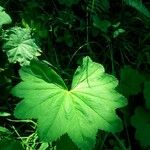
4,17
141,121
65,143
10,144
130,82
68,3
103,25
41,70
98,6
44,146
89,105
19,46
4,130
147,93
117,32
138,5
4,114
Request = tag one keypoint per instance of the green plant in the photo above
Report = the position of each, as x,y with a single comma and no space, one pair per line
137,4
139,120
5,18
19,46
88,106
45,104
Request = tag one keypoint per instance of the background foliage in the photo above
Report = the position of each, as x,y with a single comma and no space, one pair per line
115,34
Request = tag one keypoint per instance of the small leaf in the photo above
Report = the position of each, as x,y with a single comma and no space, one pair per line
19,46
89,105
130,82
147,93
4,17
141,121
118,32
4,130
4,114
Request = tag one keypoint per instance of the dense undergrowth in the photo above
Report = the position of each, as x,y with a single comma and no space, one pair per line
45,104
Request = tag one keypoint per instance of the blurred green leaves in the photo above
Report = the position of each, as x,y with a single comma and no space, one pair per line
98,6
130,81
141,121
68,3
101,24
147,93
4,17
138,5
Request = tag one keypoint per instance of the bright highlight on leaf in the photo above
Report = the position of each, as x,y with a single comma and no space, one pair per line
4,17
19,46
89,105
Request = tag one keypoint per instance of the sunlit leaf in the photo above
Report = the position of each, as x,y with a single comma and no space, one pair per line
4,130
19,46
89,105
4,114
4,17
44,146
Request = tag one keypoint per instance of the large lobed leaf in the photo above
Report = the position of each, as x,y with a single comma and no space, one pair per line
89,105
19,46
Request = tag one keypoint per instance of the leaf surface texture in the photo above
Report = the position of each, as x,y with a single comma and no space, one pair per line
89,105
